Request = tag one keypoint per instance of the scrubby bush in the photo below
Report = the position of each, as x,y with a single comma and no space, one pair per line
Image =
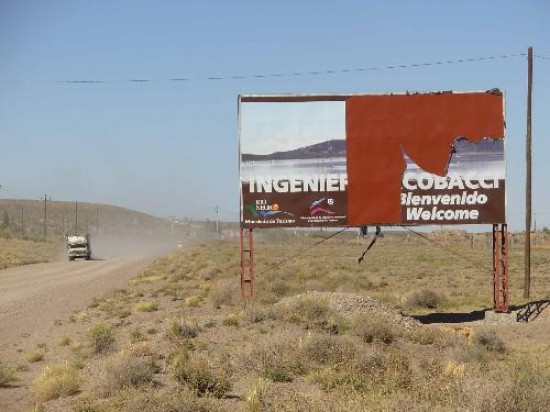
192,301
35,356
526,387
490,341
373,329
183,330
231,320
102,337
200,375
7,375
64,341
424,298
56,381
224,293
315,312
125,372
329,350
146,306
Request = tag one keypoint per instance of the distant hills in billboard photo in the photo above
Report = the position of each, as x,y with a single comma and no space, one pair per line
327,149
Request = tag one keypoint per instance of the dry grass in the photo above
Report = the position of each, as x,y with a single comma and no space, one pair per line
56,381
126,372
146,306
17,252
35,356
7,375
425,298
101,337
201,375
347,348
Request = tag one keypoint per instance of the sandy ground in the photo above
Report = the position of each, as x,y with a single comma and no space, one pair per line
37,300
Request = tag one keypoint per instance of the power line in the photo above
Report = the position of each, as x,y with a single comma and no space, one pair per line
472,261
301,251
291,74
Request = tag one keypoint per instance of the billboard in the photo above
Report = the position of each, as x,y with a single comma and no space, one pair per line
337,160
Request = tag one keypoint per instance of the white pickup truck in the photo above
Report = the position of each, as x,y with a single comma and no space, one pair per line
79,246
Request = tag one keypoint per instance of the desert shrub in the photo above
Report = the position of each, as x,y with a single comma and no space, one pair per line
137,336
200,375
255,314
398,374
56,381
423,336
525,388
101,337
490,341
123,313
280,287
150,400
146,306
369,362
279,358
183,330
124,372
7,375
424,298
224,293
231,320
193,301
64,341
313,309
375,329
329,350
314,312
140,349
255,397
35,356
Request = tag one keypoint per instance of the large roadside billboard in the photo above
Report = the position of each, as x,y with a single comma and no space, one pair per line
337,160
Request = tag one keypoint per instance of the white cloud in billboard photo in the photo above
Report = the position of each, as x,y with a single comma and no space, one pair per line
281,126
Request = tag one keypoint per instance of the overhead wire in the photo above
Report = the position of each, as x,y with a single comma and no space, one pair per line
472,261
300,252
322,72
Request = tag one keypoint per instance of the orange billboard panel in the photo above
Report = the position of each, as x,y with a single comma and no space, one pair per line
382,131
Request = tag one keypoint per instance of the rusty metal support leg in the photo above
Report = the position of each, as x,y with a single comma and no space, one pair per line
500,267
247,264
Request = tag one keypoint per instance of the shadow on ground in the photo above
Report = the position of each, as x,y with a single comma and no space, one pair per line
531,310
524,313
473,316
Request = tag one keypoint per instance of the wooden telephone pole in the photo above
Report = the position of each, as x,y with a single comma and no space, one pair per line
527,280
45,213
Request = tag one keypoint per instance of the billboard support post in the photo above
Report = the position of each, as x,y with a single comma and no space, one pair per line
500,267
247,263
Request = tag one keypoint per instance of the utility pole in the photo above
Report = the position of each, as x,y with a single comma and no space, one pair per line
97,220
217,209
22,221
45,214
527,280
76,217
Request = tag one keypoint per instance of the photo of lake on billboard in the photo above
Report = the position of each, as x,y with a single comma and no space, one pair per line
483,159
292,139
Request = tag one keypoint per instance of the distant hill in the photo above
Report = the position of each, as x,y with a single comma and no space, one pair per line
330,148
25,218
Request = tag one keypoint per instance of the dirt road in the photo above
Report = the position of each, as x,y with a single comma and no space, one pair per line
34,298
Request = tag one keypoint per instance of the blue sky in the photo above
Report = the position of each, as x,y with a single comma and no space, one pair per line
272,127
170,148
